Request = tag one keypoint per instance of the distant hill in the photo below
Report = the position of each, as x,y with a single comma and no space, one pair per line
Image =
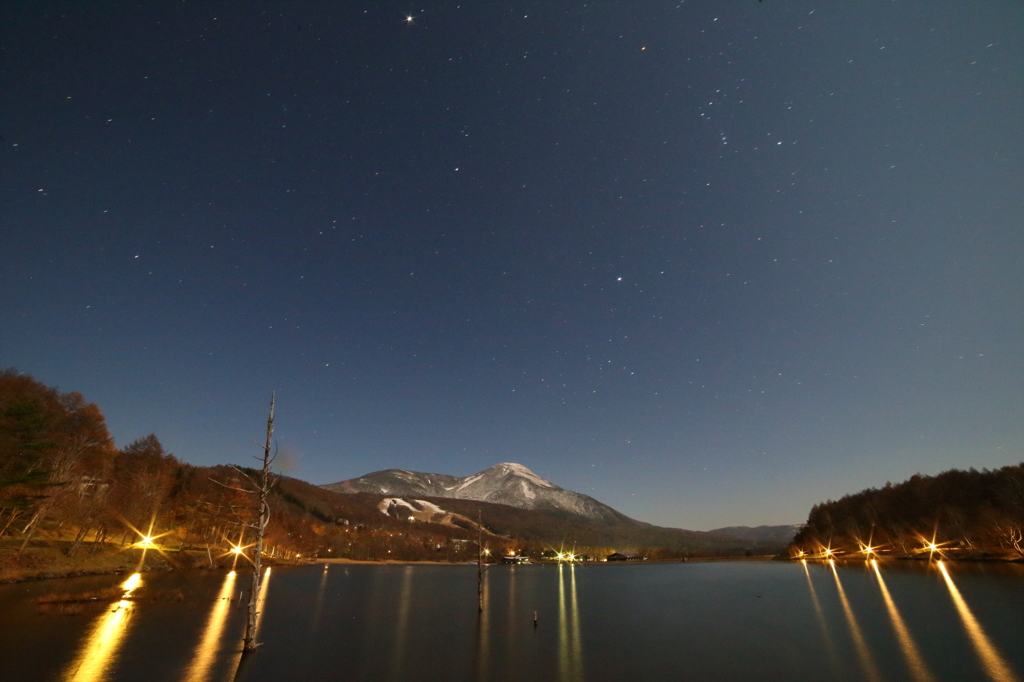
777,534
507,483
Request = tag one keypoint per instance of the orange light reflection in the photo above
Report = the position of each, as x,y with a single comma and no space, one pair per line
101,647
206,652
917,666
863,652
994,664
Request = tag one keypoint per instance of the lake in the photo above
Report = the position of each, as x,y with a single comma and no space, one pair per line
693,621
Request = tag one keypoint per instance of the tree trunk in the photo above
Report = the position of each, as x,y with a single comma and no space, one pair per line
15,513
261,526
83,531
31,529
99,538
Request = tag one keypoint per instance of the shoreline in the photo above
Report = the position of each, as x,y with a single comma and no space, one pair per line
49,563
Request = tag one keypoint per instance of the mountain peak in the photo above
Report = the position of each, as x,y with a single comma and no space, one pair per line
505,483
513,469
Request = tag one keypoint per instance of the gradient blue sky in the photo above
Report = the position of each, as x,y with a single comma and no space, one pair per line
708,262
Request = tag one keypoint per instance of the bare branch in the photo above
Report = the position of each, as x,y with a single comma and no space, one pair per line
231,487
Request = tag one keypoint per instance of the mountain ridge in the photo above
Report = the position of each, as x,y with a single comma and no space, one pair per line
782,534
505,483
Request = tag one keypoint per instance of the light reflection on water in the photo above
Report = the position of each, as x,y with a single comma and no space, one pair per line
261,602
570,651
100,649
917,666
318,603
867,660
994,664
402,624
860,621
819,616
209,645
483,655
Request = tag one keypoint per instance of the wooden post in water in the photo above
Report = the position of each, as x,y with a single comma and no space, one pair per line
479,563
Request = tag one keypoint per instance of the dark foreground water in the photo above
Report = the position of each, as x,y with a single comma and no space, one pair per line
710,621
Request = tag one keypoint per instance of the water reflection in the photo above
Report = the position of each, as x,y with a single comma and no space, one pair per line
830,646
653,622
206,652
510,625
318,607
402,624
867,661
261,602
570,656
484,632
994,664
917,666
101,646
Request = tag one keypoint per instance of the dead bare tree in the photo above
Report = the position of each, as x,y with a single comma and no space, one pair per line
260,487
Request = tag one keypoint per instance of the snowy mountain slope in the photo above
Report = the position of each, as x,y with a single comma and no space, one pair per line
424,511
507,483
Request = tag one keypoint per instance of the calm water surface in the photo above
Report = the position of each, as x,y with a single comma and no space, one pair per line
726,621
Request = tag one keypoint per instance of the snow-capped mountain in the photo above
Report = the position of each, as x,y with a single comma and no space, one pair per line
507,483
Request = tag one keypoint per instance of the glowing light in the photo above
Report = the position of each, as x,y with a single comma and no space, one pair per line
134,580
236,550
146,541
408,18
994,664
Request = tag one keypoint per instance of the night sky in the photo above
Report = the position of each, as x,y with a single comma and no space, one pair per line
710,263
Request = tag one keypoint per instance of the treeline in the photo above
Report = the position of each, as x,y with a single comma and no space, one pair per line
959,513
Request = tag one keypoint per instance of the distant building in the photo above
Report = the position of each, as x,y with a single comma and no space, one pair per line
625,556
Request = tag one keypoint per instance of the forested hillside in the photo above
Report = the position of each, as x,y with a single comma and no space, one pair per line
957,513
63,480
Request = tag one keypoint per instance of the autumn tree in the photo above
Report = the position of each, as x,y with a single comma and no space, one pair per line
54,452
